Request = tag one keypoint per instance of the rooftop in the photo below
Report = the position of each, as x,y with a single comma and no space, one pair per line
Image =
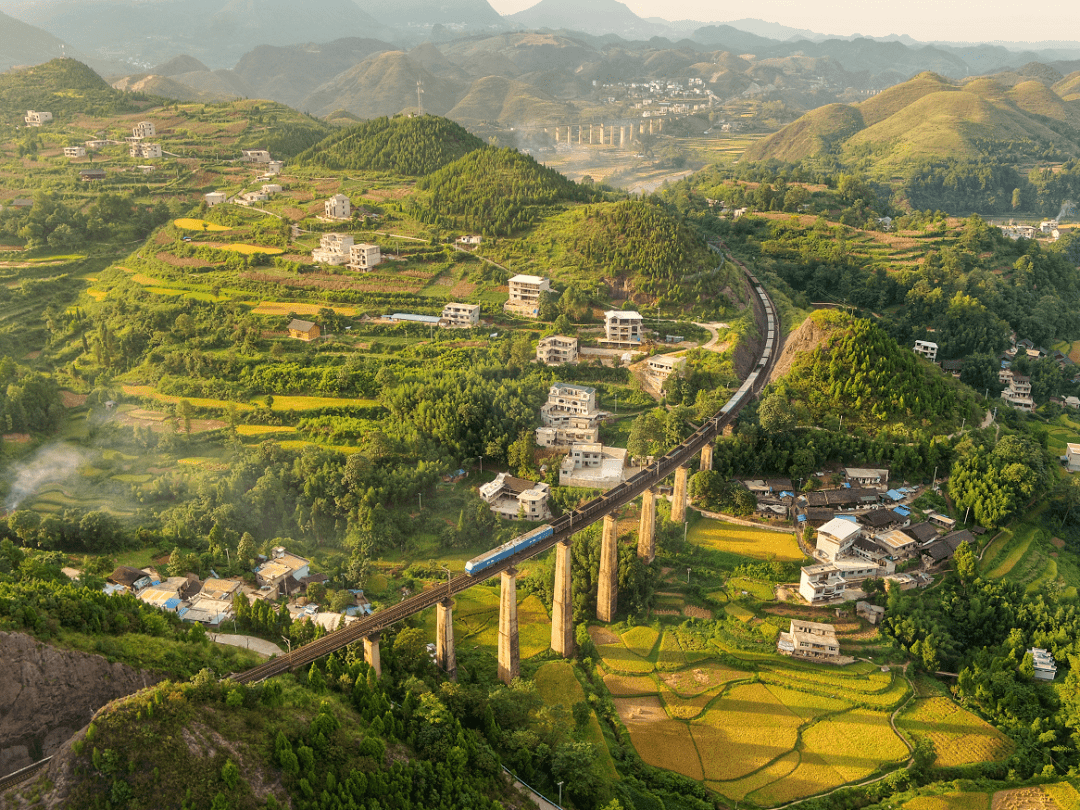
523,279
301,326
840,529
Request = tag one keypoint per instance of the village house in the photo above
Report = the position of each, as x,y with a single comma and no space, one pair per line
1045,666
131,579
921,533
866,477
364,256
896,544
145,151
74,151
1072,457
565,436
337,207
623,327
471,239
512,497
271,188
274,167
97,143
826,582
942,550
943,521
952,367
334,249
809,640
555,350
34,118
461,315
254,156
303,330
835,538
881,519
1018,390
219,589
1018,231
250,197
662,366
525,294
927,349
86,175
570,406
271,576
144,129
590,465
872,613
215,198
209,612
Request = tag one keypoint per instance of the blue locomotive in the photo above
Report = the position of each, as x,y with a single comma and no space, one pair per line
497,555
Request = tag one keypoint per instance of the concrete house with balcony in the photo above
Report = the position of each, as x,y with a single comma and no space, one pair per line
337,207
623,328
662,366
215,198
525,294
828,581
590,465
1017,391
36,118
512,497
556,350
461,315
144,129
809,640
927,349
334,249
570,406
835,538
255,156
364,257
145,151
74,151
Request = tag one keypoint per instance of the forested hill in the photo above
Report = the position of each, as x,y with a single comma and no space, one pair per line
403,145
60,86
862,373
493,191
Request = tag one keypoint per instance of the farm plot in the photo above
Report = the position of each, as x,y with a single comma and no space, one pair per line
855,743
951,801
640,640
680,708
1064,795
744,731
630,685
661,742
814,775
745,541
739,789
808,705
959,737
1029,798
187,224
692,682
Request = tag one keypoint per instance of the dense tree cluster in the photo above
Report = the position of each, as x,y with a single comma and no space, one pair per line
29,400
996,482
64,225
403,145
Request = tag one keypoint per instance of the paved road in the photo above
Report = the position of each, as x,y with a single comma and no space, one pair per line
258,645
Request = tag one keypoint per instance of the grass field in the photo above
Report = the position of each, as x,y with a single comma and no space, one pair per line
745,541
187,224
959,737
556,683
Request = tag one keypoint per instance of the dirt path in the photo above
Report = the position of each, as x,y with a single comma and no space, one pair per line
714,330
258,645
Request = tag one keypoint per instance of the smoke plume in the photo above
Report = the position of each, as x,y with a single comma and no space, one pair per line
49,465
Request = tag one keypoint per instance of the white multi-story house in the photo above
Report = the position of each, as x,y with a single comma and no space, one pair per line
1045,665
271,188
525,295
250,197
1018,390
145,151
623,327
34,118
835,538
75,151
255,156
512,497
827,581
809,640
364,256
337,207
215,198
591,465
927,349
333,249
471,239
555,350
144,129
463,315
662,366
570,406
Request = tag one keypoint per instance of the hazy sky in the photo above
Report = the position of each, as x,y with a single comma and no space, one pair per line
926,20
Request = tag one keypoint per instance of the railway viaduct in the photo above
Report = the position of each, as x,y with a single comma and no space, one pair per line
676,463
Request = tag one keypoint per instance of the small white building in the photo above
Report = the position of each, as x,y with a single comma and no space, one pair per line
334,249
809,640
255,156
471,239
215,198
835,538
867,477
661,366
1045,666
145,151
566,436
556,350
74,151
590,465
251,197
337,207
97,144
274,166
272,574
623,327
927,349
1072,457
525,294
512,497
461,315
144,129
364,256
1048,226
34,118
271,188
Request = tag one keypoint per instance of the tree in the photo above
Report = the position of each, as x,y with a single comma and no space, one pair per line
245,550
965,562
775,414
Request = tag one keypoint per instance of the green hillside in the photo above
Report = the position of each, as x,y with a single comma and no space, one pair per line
62,87
818,131
509,102
930,118
493,191
403,146
1069,87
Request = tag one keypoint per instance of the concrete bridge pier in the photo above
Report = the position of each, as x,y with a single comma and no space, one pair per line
646,547
371,653
678,496
580,135
706,456
608,587
444,637
562,609
509,652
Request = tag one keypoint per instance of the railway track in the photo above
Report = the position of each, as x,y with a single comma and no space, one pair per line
23,775
563,527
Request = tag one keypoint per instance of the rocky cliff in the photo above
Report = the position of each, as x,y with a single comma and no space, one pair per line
47,694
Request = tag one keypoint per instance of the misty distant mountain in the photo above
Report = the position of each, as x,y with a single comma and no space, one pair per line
593,17
425,14
23,44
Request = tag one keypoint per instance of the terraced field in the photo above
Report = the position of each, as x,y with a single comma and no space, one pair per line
745,541
959,737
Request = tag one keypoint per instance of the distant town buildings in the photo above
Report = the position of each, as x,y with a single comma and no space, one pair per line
1018,231
525,294
557,350
471,239
337,207
334,249
512,497
145,151
255,156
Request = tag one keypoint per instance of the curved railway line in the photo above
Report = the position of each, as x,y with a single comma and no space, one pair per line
565,526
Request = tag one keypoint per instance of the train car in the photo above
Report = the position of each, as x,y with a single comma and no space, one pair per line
508,549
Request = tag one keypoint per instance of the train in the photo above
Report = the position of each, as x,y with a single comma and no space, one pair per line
656,471
506,550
